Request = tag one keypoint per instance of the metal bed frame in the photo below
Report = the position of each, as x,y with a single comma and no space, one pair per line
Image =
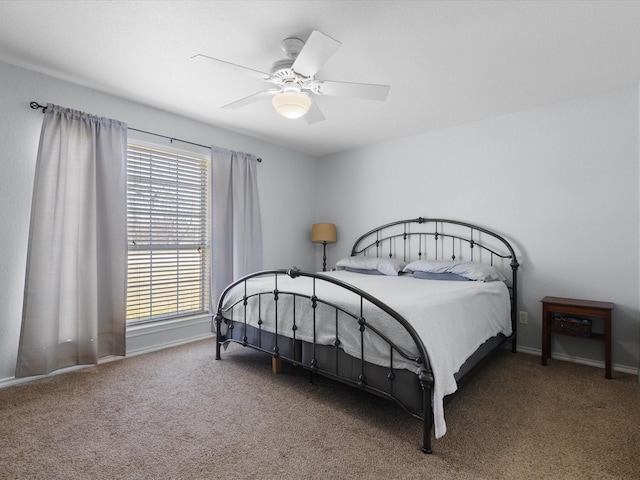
419,238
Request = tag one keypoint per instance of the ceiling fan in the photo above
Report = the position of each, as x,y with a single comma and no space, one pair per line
294,79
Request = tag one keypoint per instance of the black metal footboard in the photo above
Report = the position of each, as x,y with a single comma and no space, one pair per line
268,312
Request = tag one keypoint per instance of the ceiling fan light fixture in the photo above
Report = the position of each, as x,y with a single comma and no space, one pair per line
291,104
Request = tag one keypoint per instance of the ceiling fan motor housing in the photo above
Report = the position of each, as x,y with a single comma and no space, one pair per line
283,75
281,70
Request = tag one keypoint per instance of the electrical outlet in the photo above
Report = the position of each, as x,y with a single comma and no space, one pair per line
524,318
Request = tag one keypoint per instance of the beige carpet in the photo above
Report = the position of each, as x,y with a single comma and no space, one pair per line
180,414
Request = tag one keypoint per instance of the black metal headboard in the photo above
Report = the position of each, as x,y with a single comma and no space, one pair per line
441,239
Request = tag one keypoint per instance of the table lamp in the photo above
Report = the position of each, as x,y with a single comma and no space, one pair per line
323,233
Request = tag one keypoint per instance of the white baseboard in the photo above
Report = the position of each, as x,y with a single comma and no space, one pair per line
583,361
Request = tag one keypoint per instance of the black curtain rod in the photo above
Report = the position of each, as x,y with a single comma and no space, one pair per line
36,106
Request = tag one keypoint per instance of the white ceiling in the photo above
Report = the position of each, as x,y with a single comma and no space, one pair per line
447,62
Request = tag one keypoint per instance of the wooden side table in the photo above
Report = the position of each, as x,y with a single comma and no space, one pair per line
581,309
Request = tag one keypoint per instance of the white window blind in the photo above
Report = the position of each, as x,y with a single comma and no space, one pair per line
167,228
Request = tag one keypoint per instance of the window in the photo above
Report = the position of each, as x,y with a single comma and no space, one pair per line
167,229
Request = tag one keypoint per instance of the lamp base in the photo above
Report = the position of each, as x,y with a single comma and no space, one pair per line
324,256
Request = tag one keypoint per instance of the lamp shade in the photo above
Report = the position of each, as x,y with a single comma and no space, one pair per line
291,104
323,232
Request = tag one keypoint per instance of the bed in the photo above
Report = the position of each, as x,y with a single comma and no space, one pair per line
412,313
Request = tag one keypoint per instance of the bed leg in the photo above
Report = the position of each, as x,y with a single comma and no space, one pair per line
426,447
426,433
426,382
218,320
276,365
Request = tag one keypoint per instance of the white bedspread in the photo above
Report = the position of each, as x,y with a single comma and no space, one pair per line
452,318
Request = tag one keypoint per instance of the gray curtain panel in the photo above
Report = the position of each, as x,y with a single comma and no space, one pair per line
75,290
236,226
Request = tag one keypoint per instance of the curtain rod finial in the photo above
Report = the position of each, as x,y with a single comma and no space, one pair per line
36,105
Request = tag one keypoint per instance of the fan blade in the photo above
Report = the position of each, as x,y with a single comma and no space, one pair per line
256,97
316,51
314,115
367,91
233,66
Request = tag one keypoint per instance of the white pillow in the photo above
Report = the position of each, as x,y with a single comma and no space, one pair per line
386,266
430,266
473,271
478,271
